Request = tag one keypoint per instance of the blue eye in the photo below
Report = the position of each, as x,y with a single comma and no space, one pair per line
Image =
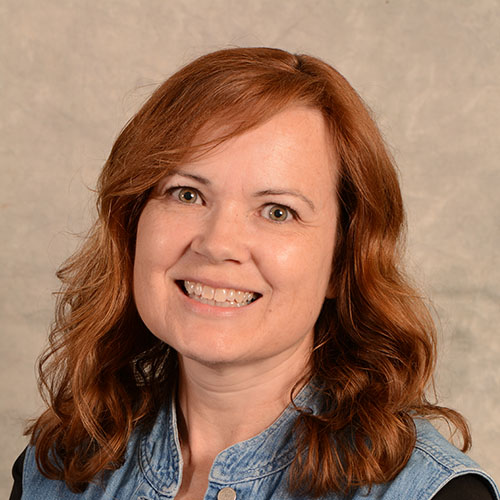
277,213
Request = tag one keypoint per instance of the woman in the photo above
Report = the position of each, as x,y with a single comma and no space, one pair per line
246,254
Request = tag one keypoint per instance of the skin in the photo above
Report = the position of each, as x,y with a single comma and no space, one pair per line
239,364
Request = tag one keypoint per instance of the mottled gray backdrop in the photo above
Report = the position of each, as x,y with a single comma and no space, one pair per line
73,72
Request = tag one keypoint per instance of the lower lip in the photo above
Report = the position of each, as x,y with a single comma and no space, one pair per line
210,310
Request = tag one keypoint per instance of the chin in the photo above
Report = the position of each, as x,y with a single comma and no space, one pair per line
212,359
211,354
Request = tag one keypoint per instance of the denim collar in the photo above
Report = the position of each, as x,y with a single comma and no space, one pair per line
270,451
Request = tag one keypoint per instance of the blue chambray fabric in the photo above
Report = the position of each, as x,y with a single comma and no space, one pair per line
255,469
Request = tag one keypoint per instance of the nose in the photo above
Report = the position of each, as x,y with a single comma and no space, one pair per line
223,236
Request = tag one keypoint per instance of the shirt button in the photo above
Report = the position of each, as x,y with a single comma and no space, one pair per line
226,494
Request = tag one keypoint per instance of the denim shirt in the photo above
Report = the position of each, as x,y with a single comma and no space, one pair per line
255,469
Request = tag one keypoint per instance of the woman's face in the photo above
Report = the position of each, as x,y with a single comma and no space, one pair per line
234,252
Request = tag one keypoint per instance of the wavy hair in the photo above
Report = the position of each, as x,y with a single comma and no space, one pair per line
104,374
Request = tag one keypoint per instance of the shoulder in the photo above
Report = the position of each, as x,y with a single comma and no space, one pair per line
17,476
433,464
130,480
435,451
466,487
120,484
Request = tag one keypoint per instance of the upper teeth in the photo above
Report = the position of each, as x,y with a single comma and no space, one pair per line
218,296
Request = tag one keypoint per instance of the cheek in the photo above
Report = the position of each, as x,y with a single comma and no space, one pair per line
159,240
151,258
299,266
151,261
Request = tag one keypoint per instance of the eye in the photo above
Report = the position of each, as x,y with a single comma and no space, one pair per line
277,213
185,195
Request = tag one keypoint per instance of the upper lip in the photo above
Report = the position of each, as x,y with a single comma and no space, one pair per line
219,284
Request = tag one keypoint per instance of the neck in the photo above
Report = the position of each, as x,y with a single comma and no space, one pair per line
223,405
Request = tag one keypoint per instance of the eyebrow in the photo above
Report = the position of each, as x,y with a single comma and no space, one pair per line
264,192
198,178
275,192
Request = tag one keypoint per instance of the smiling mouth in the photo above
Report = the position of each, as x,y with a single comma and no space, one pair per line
221,297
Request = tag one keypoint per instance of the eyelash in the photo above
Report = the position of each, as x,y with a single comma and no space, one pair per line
267,207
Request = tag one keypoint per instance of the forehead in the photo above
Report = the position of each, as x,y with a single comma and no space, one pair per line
294,140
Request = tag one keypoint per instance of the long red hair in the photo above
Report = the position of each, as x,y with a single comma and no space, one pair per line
104,374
